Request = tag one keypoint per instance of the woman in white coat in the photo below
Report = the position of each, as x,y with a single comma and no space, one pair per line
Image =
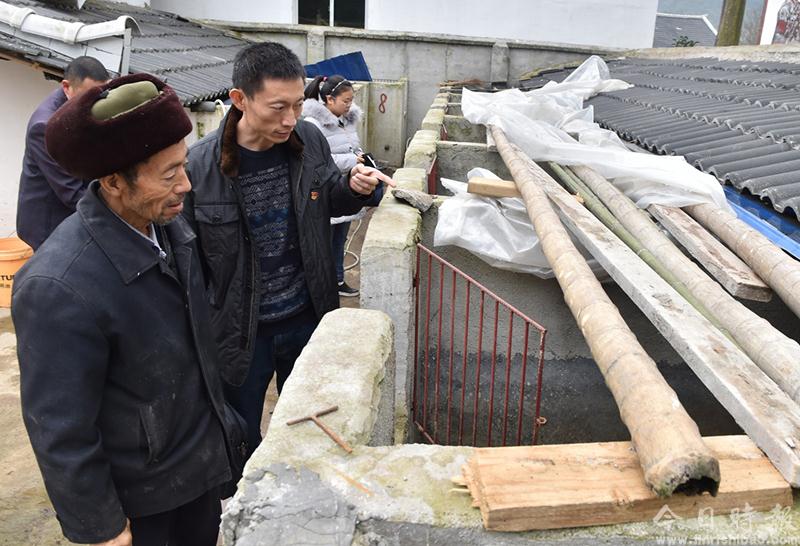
329,105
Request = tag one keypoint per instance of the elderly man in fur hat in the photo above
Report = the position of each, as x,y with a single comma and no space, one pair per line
120,386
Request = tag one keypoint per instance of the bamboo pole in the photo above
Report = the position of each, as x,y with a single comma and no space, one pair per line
667,441
606,215
775,353
776,268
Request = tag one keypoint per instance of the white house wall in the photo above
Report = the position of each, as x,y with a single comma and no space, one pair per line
250,11
17,103
605,23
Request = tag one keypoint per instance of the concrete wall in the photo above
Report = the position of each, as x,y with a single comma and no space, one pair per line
257,11
604,23
575,400
301,488
424,60
17,103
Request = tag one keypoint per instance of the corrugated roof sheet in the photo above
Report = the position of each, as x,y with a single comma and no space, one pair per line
670,28
196,61
737,120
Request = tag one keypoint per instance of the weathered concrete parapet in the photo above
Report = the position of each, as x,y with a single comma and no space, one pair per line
455,159
440,102
500,63
349,362
460,130
421,152
434,119
315,46
387,278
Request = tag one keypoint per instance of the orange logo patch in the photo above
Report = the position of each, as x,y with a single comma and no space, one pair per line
314,195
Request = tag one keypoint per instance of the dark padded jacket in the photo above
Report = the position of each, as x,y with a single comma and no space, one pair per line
216,211
47,193
119,378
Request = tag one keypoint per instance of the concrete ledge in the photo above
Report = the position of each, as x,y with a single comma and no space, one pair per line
454,109
434,118
421,152
387,278
349,362
455,159
440,102
409,178
460,130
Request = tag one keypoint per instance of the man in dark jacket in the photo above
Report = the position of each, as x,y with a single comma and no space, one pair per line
264,189
47,193
119,377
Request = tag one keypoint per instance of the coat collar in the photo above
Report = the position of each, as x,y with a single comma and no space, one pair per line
229,150
125,249
313,108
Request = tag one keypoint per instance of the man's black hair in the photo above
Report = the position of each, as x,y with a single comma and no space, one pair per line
86,67
264,60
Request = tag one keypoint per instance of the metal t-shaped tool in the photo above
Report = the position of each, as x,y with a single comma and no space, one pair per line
315,417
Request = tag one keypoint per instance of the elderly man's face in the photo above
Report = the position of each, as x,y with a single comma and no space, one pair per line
159,189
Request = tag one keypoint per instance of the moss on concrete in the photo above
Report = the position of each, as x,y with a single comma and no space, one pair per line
393,226
433,119
410,179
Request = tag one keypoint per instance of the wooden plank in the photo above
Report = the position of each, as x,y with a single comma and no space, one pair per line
730,271
578,485
759,406
492,187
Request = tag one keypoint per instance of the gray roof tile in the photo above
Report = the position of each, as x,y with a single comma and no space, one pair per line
738,120
196,61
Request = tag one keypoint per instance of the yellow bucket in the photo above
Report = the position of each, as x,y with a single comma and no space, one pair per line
13,255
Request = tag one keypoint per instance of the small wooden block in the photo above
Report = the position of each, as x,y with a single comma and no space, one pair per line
578,485
730,271
492,187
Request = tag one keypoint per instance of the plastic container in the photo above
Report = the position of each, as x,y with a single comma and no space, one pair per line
13,255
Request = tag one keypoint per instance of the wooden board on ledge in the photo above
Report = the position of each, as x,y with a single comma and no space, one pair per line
725,266
580,485
492,187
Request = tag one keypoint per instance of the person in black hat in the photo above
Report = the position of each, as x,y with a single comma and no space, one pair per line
119,379
47,193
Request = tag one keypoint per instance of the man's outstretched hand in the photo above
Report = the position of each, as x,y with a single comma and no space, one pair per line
364,180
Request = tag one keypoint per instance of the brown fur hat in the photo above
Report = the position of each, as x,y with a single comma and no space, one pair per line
102,131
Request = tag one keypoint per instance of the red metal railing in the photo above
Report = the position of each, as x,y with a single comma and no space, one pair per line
450,373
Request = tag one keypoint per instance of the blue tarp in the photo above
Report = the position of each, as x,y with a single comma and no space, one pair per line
780,229
352,66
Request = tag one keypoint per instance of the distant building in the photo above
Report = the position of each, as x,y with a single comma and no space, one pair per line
675,30
621,24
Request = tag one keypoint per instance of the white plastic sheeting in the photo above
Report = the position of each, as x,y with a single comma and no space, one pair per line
551,124
498,231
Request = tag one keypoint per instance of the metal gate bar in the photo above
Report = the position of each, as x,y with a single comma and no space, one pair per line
446,398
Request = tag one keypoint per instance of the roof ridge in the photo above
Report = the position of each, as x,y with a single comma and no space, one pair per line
682,15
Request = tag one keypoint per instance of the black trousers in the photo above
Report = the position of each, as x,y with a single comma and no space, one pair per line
194,524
